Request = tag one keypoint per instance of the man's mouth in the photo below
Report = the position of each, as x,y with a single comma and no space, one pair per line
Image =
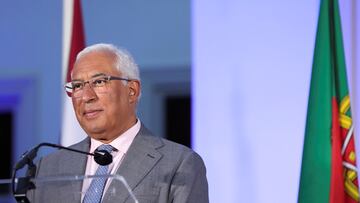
92,113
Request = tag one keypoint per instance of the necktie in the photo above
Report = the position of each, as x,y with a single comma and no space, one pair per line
96,188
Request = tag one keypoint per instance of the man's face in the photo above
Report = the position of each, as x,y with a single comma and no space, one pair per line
105,115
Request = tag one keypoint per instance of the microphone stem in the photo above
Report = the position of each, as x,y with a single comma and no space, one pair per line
61,147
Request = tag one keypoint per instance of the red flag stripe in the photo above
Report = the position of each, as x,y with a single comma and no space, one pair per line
77,37
337,192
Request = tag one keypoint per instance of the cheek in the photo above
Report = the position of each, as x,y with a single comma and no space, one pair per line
76,105
117,96
78,108
116,104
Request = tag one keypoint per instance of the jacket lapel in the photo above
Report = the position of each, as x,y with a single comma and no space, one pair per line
76,166
141,157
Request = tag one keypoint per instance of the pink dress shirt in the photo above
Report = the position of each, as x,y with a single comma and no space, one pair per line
121,144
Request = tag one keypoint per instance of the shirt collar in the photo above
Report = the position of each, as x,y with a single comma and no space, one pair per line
122,142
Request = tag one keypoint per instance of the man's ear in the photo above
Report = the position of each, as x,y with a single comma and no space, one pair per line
134,90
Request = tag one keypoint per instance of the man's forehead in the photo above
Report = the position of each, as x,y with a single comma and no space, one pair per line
88,76
92,65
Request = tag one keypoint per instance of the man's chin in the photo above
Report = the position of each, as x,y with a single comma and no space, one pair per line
95,132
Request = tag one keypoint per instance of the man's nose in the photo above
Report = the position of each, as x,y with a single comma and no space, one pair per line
88,94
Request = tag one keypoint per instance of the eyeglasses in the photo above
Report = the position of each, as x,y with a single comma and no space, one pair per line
98,84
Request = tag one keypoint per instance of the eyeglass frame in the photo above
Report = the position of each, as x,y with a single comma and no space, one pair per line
68,85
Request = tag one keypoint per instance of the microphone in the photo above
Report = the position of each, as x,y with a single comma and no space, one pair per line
101,157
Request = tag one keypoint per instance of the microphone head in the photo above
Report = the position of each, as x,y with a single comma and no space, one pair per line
103,157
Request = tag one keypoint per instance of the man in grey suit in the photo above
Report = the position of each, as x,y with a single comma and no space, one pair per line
105,90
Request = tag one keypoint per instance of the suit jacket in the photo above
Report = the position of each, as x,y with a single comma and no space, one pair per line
157,170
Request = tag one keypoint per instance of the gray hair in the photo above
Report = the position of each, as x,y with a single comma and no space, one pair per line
124,62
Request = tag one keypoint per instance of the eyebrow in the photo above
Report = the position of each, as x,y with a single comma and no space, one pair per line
98,74
93,76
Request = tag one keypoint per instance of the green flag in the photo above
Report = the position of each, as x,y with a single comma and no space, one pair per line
328,172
